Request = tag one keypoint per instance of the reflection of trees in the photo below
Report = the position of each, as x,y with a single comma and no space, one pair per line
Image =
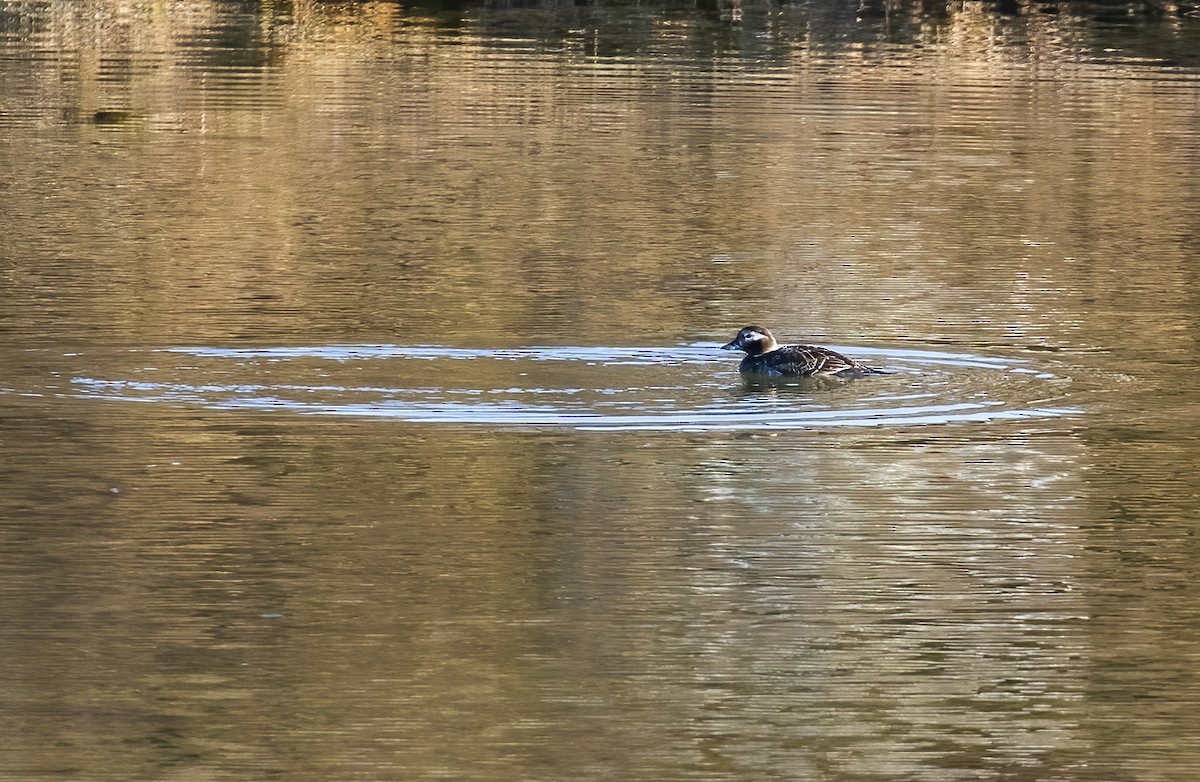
109,51
247,34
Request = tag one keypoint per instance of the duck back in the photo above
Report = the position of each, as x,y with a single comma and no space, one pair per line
802,361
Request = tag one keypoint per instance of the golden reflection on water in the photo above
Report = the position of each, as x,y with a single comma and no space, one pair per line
196,592
246,589
937,192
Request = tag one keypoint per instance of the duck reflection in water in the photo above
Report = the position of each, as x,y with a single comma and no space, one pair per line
766,359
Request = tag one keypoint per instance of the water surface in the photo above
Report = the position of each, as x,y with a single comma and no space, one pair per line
362,415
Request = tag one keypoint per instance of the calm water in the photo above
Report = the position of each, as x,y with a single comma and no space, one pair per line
362,418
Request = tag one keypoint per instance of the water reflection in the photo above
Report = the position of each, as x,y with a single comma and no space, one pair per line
925,181
475,232
494,601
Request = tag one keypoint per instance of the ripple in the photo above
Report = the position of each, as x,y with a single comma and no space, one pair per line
430,352
692,387
704,353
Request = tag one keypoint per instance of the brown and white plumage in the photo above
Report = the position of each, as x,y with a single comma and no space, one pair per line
767,358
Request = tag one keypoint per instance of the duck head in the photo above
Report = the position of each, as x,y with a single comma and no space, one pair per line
755,340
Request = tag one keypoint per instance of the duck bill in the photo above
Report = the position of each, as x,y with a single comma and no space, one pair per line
732,346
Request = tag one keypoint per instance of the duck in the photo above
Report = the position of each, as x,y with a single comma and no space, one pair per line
765,357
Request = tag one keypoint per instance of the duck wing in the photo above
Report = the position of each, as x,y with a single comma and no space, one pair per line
808,360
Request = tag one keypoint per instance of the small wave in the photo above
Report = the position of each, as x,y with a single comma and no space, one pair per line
634,355
593,388
515,413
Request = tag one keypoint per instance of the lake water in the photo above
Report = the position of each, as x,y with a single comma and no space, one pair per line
362,417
